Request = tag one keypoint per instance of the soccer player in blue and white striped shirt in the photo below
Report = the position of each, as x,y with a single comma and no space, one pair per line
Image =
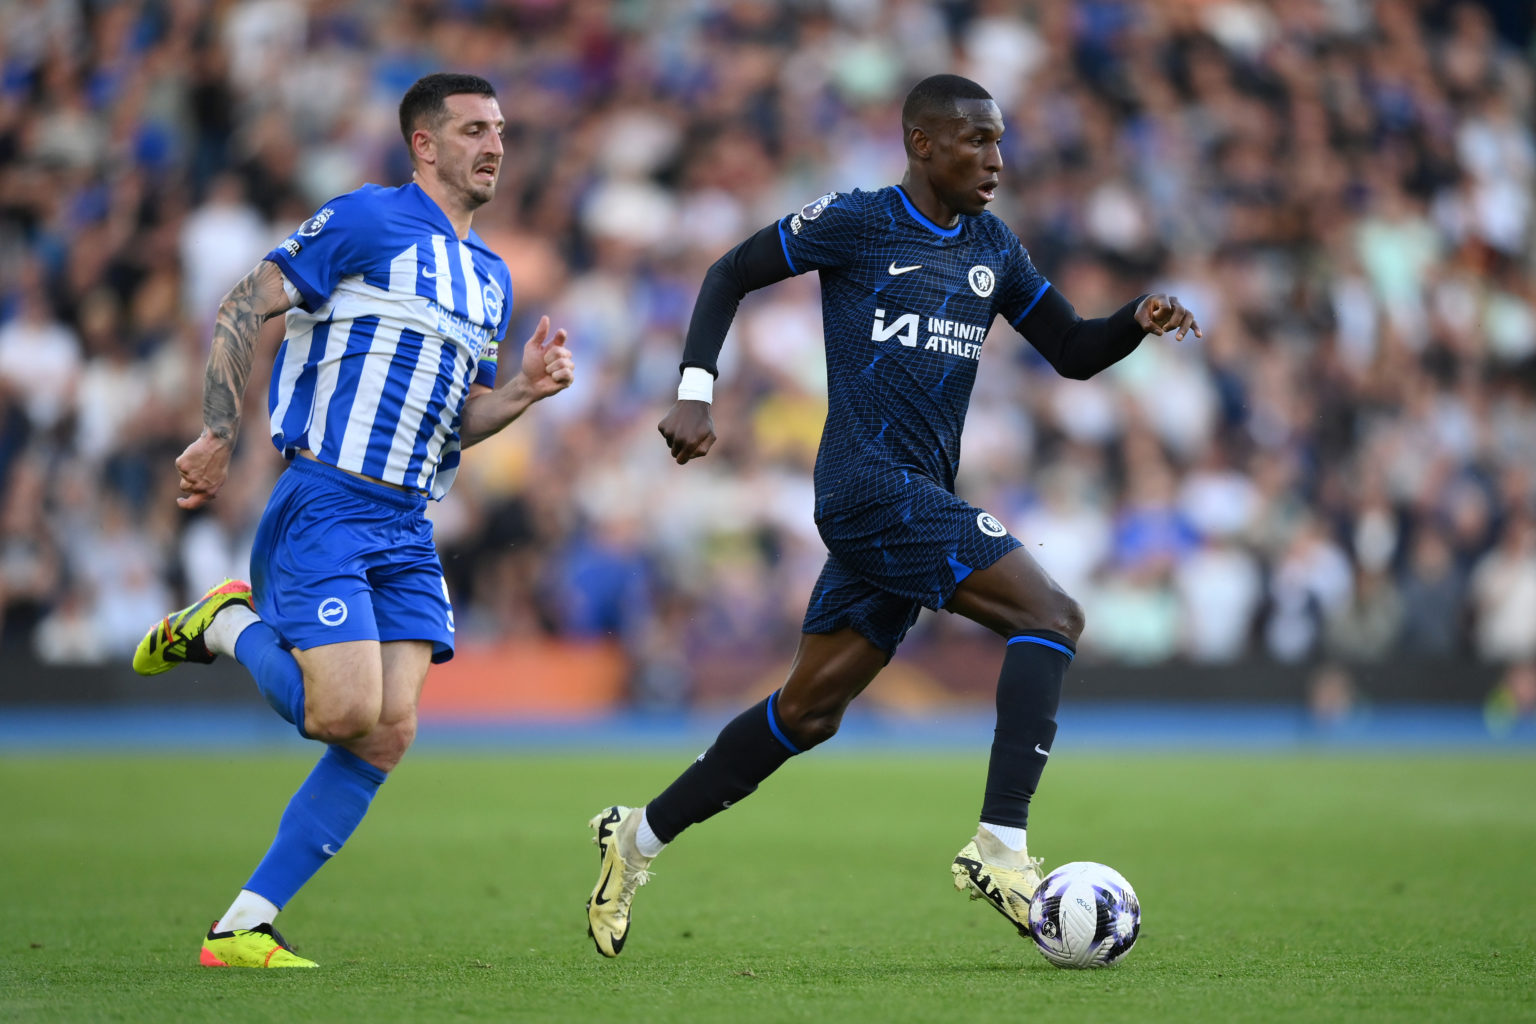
388,367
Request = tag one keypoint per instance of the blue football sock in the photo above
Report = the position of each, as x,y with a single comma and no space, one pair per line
278,675
322,814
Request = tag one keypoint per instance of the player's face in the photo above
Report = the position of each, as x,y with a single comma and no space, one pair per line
469,149
966,159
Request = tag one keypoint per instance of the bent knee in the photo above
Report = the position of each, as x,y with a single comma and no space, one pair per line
385,745
809,726
393,739
1070,619
339,723
813,732
1061,615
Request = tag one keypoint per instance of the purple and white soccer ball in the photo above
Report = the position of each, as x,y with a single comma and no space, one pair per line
1084,915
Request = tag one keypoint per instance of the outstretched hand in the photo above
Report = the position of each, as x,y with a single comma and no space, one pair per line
203,468
1159,314
547,363
689,430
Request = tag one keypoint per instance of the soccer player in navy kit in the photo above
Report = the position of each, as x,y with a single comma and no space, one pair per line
912,277
395,309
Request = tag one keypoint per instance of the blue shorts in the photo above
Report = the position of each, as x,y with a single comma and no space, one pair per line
890,559
337,558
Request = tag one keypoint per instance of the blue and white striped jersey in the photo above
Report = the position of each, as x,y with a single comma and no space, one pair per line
396,318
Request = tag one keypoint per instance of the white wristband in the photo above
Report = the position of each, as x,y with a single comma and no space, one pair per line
698,385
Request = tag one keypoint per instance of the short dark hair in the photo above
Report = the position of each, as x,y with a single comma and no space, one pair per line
936,96
423,101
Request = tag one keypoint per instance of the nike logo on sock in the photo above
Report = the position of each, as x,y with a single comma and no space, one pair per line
1042,751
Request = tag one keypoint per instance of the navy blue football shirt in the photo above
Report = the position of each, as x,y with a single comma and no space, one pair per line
906,306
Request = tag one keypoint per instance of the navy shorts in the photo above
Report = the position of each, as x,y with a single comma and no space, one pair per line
337,558
890,559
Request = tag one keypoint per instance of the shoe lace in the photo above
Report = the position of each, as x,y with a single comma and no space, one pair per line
633,879
1024,865
1031,870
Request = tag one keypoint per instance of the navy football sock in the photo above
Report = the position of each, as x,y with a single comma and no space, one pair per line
277,674
1028,692
751,747
322,814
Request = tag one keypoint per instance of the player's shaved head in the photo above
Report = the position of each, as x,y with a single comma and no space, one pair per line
950,129
423,105
937,98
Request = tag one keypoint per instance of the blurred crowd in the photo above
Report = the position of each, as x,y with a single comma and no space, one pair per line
1344,191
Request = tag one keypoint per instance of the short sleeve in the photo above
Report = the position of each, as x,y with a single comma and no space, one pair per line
1022,284
825,233
324,249
485,369
498,290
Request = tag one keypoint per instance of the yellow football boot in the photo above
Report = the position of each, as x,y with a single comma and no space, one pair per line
989,871
622,870
261,946
179,636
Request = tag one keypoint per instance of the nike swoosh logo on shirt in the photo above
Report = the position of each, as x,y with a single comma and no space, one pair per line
902,270
428,273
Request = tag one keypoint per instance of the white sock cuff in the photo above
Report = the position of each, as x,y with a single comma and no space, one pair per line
645,839
248,911
225,629
1012,837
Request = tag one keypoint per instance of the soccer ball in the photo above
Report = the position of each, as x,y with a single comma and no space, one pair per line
1084,915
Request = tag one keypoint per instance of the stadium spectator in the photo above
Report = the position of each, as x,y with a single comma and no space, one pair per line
1343,189
39,358
1433,589
1503,594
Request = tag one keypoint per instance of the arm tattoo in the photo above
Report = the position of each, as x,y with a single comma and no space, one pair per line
249,304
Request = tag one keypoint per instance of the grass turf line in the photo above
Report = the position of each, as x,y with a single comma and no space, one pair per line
1279,887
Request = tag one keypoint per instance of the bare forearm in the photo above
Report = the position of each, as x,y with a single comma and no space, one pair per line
254,300
229,366
489,411
546,369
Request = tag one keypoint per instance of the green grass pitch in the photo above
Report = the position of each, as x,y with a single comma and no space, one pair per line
1300,887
